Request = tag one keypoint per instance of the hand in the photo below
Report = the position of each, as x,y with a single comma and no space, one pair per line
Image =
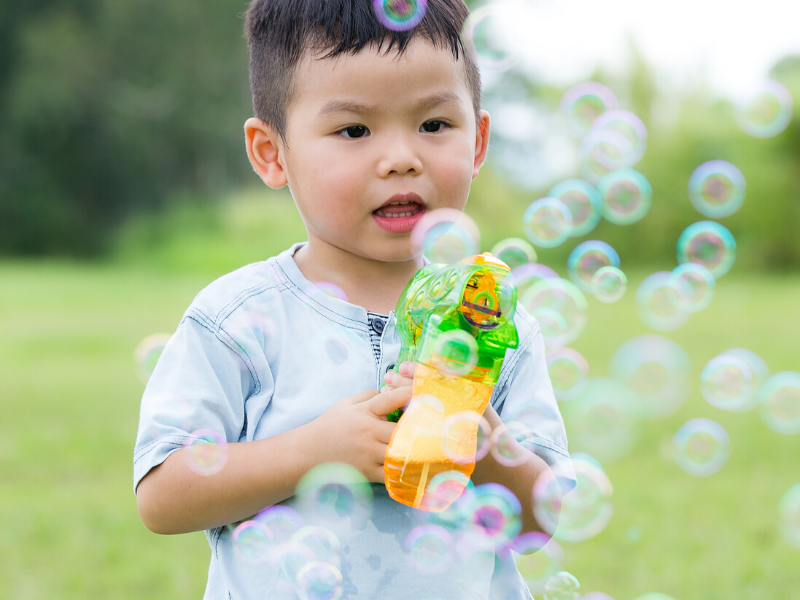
355,430
405,377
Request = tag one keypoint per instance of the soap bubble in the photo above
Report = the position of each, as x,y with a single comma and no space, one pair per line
283,521
583,202
560,303
657,302
493,513
319,580
694,287
331,491
253,542
487,32
292,557
444,488
515,252
400,15
454,352
466,437
547,222
780,402
789,515
538,557
603,420
760,372
658,370
430,548
601,152
322,542
586,259
701,447
766,112
583,103
709,244
609,284
446,235
148,352
628,125
727,382
206,452
562,586
330,289
626,195
569,373
582,513
505,447
717,189
526,275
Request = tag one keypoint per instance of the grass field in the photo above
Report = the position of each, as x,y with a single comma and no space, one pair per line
70,399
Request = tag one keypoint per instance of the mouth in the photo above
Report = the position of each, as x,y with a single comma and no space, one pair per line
400,213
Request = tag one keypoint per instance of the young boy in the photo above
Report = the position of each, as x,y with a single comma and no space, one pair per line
370,129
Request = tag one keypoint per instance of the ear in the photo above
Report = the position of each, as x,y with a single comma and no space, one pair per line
481,142
265,151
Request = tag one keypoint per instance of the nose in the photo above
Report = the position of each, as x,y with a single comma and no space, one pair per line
399,156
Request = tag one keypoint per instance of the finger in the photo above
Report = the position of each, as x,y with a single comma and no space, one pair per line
363,396
382,404
384,430
407,369
396,380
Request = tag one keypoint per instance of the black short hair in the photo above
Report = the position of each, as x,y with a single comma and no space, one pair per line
280,32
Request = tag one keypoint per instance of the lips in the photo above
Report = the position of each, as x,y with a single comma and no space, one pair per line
400,213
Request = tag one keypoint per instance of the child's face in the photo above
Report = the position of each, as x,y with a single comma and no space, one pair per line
363,130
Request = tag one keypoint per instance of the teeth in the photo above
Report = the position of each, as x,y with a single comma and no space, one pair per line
396,216
396,203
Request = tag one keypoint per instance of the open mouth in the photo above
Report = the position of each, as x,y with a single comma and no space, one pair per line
398,210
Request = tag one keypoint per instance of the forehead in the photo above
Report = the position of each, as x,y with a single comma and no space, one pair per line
390,79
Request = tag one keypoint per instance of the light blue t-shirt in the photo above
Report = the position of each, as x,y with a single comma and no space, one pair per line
263,350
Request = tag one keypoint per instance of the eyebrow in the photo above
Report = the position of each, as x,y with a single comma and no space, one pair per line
337,106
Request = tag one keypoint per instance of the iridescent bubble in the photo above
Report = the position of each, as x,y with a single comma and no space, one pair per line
658,370
486,31
400,15
506,447
727,382
322,542
583,103
547,222
601,152
583,202
586,259
526,275
319,581
148,352
657,303
780,402
582,513
789,515
538,558
626,195
446,235
334,490
282,521
609,284
569,373
253,542
629,126
717,189
515,252
760,372
701,447
603,420
430,548
292,557
766,112
493,511
709,244
559,298
466,437
694,287
444,488
454,352
331,289
562,586
206,452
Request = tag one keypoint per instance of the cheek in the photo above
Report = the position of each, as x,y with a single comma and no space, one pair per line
453,174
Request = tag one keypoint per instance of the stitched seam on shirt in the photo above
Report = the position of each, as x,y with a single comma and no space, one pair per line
155,443
547,443
242,296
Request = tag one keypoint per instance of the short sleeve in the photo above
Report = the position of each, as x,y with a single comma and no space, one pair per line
524,393
201,381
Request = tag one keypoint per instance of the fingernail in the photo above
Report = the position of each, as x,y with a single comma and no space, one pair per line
404,369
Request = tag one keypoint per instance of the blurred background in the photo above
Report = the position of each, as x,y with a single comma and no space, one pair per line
125,189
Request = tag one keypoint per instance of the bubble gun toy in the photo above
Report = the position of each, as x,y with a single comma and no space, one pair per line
456,322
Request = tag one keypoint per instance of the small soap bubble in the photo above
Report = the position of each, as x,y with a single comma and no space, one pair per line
657,303
562,586
547,222
560,301
455,352
292,557
446,235
694,287
780,402
493,512
708,244
515,252
430,548
466,437
444,488
658,370
148,352
727,382
526,275
569,373
506,447
717,189
586,259
323,543
583,202
319,581
334,490
701,447
789,515
601,152
400,15
767,111
486,30
626,195
331,289
583,103
206,452
760,372
630,127
609,284
282,521
253,542
538,558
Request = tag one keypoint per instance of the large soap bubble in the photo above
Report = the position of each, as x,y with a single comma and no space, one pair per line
709,244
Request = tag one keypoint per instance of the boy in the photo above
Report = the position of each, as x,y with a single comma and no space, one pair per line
370,129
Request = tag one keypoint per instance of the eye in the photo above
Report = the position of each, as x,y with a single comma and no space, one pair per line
354,132
433,126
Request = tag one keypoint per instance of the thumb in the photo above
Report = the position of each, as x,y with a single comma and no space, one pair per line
387,402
